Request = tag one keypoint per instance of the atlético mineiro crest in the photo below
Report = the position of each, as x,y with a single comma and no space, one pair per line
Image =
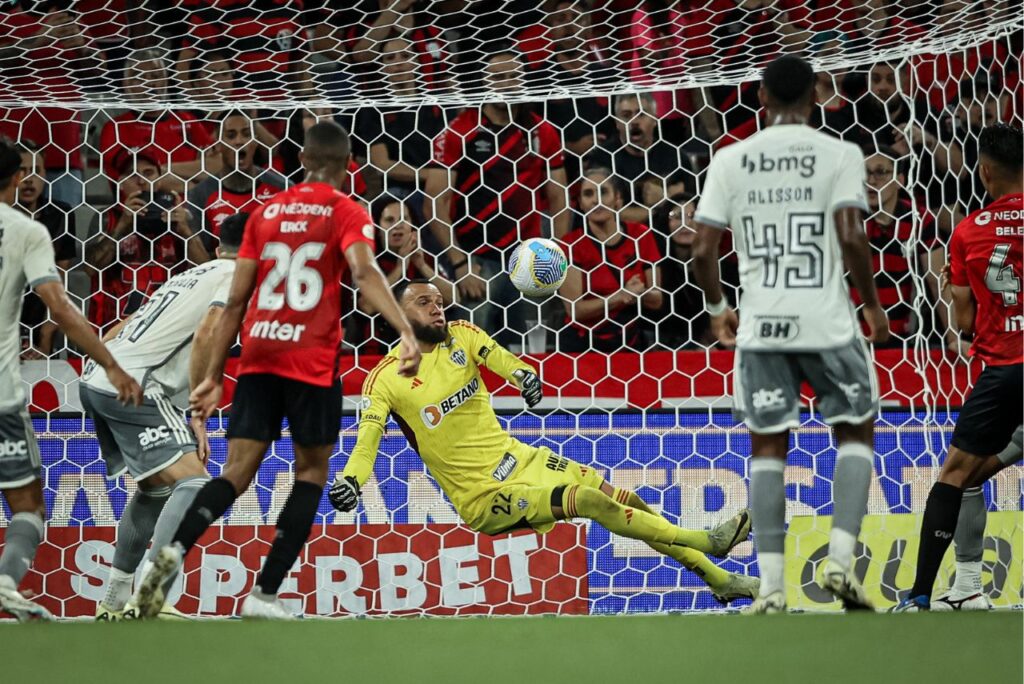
458,357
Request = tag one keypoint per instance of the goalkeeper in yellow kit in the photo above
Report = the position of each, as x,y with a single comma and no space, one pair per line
497,483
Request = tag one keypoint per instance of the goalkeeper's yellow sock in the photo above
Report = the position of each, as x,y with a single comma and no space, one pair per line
694,561
586,502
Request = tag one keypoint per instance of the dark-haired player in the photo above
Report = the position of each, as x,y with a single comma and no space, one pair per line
794,198
165,346
287,285
986,264
497,483
26,258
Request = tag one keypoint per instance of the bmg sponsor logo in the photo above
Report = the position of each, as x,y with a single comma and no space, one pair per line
803,163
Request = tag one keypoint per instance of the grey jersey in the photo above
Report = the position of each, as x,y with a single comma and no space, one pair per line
777,192
155,344
26,259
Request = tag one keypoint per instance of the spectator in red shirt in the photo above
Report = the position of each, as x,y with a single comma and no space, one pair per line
400,256
499,165
242,186
145,239
383,19
894,226
613,278
46,55
265,37
177,136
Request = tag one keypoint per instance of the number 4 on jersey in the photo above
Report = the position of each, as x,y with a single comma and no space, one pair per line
1000,278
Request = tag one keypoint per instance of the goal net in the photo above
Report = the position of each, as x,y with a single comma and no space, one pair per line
477,125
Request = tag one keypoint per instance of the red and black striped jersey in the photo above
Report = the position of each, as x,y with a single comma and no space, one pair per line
499,172
264,36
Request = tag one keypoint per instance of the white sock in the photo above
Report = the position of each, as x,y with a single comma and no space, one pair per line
840,547
968,579
7,582
119,589
773,566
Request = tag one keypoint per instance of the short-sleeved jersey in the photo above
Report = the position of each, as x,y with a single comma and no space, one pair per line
986,254
777,191
292,327
499,170
176,136
212,202
155,344
445,413
26,258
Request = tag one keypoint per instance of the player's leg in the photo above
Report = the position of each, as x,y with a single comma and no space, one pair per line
846,388
984,428
314,416
256,413
766,393
967,592
726,586
21,485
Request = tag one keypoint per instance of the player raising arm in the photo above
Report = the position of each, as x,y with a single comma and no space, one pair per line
26,258
287,285
793,197
497,483
986,264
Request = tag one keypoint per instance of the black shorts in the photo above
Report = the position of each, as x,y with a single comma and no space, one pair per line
992,411
262,400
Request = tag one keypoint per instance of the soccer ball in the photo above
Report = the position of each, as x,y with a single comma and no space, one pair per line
537,267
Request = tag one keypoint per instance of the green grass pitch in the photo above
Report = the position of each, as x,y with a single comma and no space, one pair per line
985,648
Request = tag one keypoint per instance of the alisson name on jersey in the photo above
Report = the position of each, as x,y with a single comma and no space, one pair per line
780,195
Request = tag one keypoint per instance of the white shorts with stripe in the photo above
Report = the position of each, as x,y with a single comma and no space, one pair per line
140,439
19,451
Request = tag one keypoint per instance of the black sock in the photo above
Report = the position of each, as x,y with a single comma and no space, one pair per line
293,526
937,528
210,503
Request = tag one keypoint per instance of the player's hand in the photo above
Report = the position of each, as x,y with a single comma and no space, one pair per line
878,324
205,398
529,386
471,286
202,439
725,326
128,391
344,494
944,281
408,355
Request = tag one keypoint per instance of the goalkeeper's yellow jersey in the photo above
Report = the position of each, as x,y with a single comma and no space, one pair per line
445,413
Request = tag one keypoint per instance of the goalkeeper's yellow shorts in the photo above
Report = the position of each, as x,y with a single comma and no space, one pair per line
525,500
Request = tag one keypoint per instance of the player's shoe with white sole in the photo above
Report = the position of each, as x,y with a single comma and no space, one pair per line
977,601
737,587
13,602
150,596
844,586
105,614
771,604
256,608
730,533
168,613
916,604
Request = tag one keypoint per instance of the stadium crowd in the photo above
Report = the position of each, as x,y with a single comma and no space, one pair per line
131,197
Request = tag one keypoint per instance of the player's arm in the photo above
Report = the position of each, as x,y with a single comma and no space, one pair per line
853,242
371,284
116,330
712,217
77,329
198,362
956,286
344,493
491,355
965,309
206,396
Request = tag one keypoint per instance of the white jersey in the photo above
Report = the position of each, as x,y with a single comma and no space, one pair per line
26,258
777,191
155,344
